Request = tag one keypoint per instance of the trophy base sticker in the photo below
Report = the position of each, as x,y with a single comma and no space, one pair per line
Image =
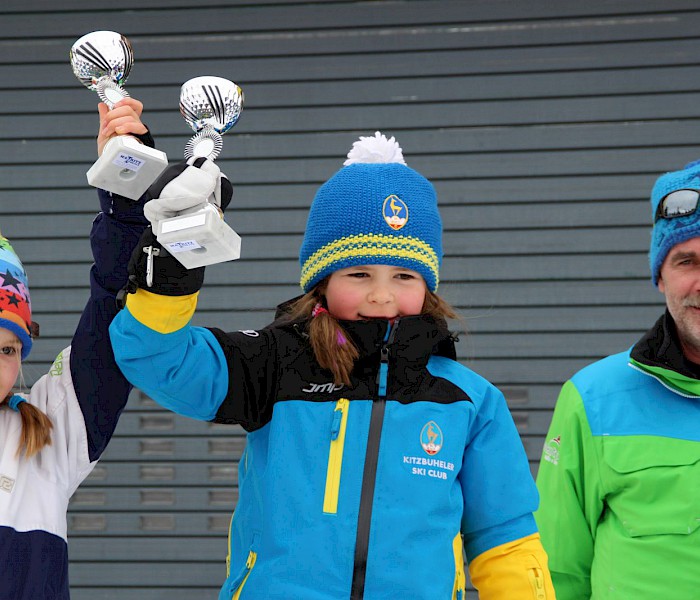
199,239
128,162
182,246
127,167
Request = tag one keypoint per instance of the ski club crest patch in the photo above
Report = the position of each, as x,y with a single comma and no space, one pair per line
431,438
395,212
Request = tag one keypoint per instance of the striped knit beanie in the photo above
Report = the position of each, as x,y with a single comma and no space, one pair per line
375,210
669,232
15,307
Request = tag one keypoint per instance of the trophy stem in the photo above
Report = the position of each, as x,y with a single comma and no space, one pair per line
206,143
109,92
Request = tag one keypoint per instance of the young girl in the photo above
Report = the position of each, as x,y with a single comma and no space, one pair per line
51,438
373,458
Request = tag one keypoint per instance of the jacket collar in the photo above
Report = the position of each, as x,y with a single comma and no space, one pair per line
659,353
413,342
412,339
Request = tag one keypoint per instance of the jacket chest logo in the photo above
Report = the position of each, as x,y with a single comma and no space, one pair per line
431,438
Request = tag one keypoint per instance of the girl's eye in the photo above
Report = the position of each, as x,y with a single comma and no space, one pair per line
8,350
358,274
405,276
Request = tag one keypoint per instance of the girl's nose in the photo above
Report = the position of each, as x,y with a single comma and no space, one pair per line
380,295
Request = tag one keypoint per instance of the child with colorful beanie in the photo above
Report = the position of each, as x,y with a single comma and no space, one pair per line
373,459
52,436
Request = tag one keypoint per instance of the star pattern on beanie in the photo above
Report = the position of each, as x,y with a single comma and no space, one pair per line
8,279
15,304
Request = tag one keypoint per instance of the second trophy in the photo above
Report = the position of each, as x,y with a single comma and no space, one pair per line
200,237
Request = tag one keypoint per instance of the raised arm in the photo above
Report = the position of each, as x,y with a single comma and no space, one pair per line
183,368
101,388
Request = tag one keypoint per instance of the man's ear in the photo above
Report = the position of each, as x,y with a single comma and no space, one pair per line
660,284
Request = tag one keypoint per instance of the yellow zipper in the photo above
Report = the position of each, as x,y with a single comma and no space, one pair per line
250,563
537,582
228,554
335,456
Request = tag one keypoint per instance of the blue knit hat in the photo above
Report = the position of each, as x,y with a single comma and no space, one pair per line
669,232
15,306
375,210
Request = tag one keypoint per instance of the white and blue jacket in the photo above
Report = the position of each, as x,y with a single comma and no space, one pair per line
83,393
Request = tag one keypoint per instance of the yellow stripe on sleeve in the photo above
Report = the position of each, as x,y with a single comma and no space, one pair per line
163,314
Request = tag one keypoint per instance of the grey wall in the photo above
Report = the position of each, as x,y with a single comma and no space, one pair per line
542,125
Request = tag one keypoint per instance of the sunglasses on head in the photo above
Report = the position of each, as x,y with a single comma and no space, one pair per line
680,203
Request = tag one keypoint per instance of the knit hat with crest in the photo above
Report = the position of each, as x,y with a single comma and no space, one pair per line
375,210
15,306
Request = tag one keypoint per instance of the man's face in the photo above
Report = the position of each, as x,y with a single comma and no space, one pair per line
679,281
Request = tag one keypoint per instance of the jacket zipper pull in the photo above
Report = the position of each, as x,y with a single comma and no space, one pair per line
335,426
384,358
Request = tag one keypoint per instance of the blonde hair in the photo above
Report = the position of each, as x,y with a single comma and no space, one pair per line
36,430
36,426
332,347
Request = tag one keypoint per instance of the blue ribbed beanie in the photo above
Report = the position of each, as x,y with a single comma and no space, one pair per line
669,232
375,210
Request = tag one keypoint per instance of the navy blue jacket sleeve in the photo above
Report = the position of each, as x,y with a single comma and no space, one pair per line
101,388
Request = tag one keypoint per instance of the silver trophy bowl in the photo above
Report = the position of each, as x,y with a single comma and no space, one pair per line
102,61
211,106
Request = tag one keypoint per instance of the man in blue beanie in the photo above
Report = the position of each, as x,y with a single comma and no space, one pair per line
620,472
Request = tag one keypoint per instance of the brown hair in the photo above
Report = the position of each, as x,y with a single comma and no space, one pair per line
332,347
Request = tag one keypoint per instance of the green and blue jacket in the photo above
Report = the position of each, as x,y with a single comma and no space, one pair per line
620,476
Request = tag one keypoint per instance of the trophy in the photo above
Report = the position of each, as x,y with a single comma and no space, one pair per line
198,237
102,60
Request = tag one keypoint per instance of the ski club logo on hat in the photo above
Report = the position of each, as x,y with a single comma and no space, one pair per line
395,212
431,438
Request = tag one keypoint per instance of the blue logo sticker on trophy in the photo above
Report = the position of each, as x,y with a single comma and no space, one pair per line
200,237
102,60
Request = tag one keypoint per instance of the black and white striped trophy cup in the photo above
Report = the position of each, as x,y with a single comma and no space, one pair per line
200,236
102,60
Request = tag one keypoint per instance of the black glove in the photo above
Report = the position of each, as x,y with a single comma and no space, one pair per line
182,186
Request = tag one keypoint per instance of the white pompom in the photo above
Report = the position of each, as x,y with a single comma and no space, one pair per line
375,149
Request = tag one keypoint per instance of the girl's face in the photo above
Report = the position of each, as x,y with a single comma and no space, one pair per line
375,292
10,351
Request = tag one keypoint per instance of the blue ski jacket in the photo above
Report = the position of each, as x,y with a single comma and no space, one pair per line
371,490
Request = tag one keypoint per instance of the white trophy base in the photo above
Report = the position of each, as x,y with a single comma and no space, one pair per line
200,238
127,167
